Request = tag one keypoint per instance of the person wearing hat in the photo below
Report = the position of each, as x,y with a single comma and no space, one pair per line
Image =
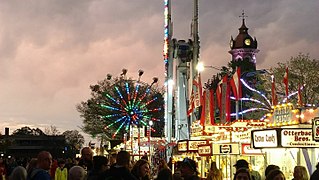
242,163
189,169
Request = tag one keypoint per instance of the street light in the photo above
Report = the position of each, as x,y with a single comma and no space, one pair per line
140,73
124,71
200,67
150,123
109,76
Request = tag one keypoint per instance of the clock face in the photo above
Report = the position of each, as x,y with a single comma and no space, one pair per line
247,42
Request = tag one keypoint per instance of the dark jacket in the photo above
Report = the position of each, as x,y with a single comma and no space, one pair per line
38,174
88,165
118,173
315,175
194,177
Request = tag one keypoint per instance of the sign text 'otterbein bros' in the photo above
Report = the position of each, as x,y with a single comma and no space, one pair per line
297,138
265,138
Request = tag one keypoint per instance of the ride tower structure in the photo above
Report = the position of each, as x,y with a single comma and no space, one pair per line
181,59
194,73
168,62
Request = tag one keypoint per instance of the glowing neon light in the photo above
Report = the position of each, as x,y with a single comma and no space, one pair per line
249,110
166,35
256,101
291,94
250,88
129,107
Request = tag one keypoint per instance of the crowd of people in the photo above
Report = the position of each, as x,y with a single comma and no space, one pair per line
272,172
120,166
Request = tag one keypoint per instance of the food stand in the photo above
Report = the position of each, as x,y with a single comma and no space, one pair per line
289,139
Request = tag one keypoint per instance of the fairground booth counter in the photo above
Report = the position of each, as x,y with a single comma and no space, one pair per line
224,144
290,138
287,138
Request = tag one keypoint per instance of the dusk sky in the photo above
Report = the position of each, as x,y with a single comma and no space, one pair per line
51,51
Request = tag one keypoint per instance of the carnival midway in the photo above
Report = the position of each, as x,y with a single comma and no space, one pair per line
207,125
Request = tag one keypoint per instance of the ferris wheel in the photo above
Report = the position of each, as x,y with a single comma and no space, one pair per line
127,102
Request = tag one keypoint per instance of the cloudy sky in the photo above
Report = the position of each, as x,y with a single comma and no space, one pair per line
52,50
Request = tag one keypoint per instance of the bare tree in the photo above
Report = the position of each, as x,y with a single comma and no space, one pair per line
52,130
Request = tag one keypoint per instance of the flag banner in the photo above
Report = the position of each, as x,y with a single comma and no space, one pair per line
228,110
236,84
197,95
199,100
219,94
206,114
285,81
191,104
225,101
196,99
204,111
212,106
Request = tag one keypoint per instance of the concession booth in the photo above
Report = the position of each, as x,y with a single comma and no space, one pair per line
289,139
224,144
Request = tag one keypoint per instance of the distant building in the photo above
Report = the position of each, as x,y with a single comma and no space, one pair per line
244,49
30,145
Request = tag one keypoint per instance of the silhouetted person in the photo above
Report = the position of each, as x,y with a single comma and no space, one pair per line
121,169
315,174
61,172
86,160
269,168
189,169
214,173
276,175
100,165
18,173
164,174
141,169
242,174
43,165
300,173
242,163
77,173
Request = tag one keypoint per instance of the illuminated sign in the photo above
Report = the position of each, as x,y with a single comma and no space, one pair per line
264,138
243,136
205,150
315,129
182,146
189,145
226,148
137,131
193,145
298,138
246,149
283,114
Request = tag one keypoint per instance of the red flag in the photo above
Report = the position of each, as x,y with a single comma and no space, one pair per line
200,90
273,92
219,93
207,106
196,99
212,106
203,110
191,105
225,101
227,105
236,84
285,81
299,95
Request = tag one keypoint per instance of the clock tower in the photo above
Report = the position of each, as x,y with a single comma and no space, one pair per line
243,49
